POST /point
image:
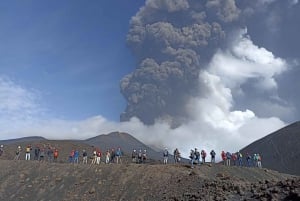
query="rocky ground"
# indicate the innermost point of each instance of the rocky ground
(33, 180)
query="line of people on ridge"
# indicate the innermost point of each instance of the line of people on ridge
(41, 153)
(237, 159)
(111, 156)
(50, 154)
(199, 157)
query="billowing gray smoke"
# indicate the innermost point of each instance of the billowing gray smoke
(172, 41)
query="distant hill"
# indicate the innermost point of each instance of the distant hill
(280, 150)
(123, 140)
(21, 140)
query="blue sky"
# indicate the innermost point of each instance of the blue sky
(70, 54)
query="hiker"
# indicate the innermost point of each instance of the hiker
(240, 158)
(36, 152)
(255, 160)
(166, 156)
(27, 152)
(50, 154)
(203, 156)
(134, 156)
(76, 156)
(18, 153)
(258, 161)
(212, 156)
(248, 158)
(112, 155)
(197, 156)
(223, 156)
(140, 156)
(234, 158)
(144, 156)
(99, 154)
(118, 155)
(1, 149)
(55, 155)
(192, 157)
(42, 154)
(84, 157)
(228, 158)
(94, 157)
(176, 156)
(107, 157)
(71, 156)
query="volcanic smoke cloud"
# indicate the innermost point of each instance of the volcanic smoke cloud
(173, 41)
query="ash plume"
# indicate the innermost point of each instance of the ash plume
(172, 41)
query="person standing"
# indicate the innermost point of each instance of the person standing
(166, 156)
(76, 156)
(1, 149)
(134, 156)
(248, 158)
(118, 155)
(99, 154)
(27, 154)
(55, 155)
(259, 161)
(228, 158)
(176, 155)
(18, 153)
(213, 156)
(107, 157)
(192, 157)
(84, 157)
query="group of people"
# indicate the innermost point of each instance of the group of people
(228, 158)
(50, 154)
(199, 157)
(40, 153)
(237, 159)
(176, 155)
(139, 156)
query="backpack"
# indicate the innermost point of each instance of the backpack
(55, 153)
(228, 155)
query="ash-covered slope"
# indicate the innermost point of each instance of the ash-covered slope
(280, 150)
(32, 180)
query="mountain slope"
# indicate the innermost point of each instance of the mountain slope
(280, 150)
(123, 140)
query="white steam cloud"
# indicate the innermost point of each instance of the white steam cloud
(214, 123)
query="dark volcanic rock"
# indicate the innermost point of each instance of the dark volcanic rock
(280, 150)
